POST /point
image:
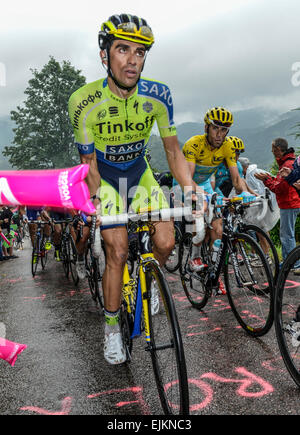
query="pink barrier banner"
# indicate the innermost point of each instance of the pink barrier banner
(9, 350)
(62, 188)
(4, 238)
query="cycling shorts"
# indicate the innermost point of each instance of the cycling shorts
(135, 189)
(33, 214)
(58, 216)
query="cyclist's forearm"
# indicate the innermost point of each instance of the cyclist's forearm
(238, 183)
(93, 178)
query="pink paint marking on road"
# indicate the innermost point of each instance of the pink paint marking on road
(192, 334)
(137, 391)
(292, 284)
(172, 278)
(66, 405)
(43, 297)
(271, 365)
(208, 394)
(249, 380)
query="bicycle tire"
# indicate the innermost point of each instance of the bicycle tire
(65, 257)
(167, 353)
(272, 250)
(44, 258)
(173, 262)
(287, 317)
(43, 254)
(94, 279)
(34, 264)
(126, 327)
(73, 259)
(194, 283)
(250, 290)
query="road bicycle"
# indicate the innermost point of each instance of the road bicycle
(161, 330)
(93, 270)
(172, 263)
(287, 316)
(68, 252)
(39, 252)
(249, 289)
(259, 235)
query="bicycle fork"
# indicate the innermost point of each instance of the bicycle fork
(235, 263)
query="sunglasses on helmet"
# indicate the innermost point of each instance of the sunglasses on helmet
(131, 29)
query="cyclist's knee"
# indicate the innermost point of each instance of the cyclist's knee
(165, 247)
(116, 255)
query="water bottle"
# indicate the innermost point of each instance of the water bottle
(215, 248)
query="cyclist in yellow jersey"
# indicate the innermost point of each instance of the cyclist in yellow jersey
(112, 120)
(204, 154)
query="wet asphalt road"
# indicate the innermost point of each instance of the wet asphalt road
(63, 371)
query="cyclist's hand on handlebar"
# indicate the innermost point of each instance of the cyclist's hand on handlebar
(77, 222)
(98, 220)
(80, 220)
(199, 202)
(247, 197)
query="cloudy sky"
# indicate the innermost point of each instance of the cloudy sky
(235, 53)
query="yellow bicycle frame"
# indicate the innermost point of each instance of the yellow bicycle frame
(130, 286)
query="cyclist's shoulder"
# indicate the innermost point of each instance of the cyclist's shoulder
(154, 89)
(195, 141)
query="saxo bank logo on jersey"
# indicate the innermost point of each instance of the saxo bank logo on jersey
(156, 90)
(124, 153)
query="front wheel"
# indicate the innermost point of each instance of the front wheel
(73, 259)
(194, 283)
(165, 346)
(34, 261)
(173, 263)
(44, 258)
(65, 257)
(266, 244)
(249, 289)
(94, 279)
(287, 317)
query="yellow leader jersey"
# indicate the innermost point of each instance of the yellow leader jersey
(207, 160)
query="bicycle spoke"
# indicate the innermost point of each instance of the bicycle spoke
(166, 349)
(249, 289)
(194, 284)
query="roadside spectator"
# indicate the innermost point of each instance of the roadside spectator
(5, 222)
(287, 197)
(292, 176)
(272, 215)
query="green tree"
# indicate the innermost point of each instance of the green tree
(43, 137)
